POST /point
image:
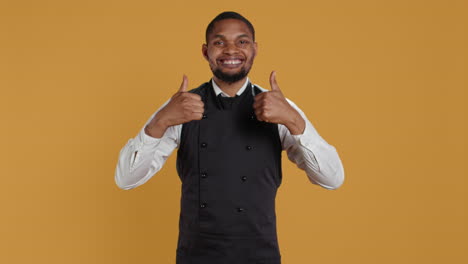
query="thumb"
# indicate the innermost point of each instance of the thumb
(273, 83)
(183, 86)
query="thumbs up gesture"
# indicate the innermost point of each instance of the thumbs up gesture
(273, 107)
(182, 108)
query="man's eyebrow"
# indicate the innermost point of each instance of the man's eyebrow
(240, 36)
(243, 36)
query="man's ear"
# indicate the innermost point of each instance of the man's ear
(205, 51)
(255, 49)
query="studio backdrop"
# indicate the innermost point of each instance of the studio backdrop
(385, 82)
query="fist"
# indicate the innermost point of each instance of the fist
(273, 107)
(182, 108)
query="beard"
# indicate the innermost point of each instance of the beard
(230, 78)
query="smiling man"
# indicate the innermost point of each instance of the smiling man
(230, 135)
(230, 63)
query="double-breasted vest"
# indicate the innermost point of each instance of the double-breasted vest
(230, 167)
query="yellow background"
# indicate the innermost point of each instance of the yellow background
(385, 82)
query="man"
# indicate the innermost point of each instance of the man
(230, 135)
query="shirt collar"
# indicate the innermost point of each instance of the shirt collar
(218, 90)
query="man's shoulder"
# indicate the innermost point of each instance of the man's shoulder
(202, 89)
(258, 89)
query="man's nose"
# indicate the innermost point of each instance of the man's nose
(230, 48)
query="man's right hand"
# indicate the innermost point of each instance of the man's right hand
(182, 108)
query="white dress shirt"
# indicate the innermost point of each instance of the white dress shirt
(143, 156)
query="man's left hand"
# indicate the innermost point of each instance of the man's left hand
(273, 107)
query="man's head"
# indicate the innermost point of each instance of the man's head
(229, 15)
(230, 47)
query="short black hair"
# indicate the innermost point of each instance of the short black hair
(228, 15)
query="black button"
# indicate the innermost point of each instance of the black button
(248, 147)
(204, 116)
(244, 178)
(204, 145)
(252, 117)
(204, 174)
(240, 209)
(203, 205)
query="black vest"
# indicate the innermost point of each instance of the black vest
(230, 167)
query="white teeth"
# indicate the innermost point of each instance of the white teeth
(231, 62)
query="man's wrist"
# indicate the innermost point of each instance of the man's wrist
(296, 124)
(156, 128)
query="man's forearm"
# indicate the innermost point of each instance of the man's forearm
(156, 128)
(296, 124)
(313, 154)
(144, 155)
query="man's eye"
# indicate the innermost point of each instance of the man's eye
(218, 43)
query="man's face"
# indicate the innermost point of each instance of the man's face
(230, 50)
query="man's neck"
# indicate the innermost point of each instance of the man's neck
(229, 88)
